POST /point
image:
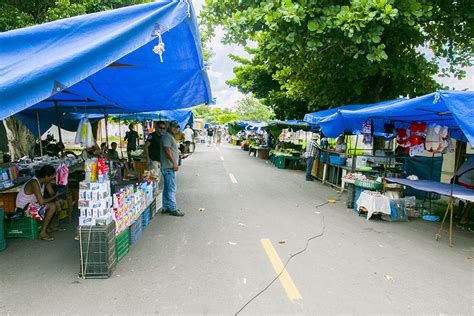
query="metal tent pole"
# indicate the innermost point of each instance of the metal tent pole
(106, 127)
(57, 121)
(39, 132)
(120, 137)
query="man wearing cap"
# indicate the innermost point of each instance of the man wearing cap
(169, 167)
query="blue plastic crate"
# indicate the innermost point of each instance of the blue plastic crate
(145, 217)
(136, 230)
(336, 160)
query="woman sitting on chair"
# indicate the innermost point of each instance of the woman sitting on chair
(31, 199)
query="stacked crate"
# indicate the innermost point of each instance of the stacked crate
(97, 249)
(122, 244)
(136, 230)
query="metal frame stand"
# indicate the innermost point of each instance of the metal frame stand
(450, 210)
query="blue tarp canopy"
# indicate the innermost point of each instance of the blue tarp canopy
(316, 117)
(454, 109)
(183, 116)
(105, 62)
(68, 121)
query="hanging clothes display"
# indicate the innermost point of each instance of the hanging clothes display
(403, 138)
(417, 138)
(62, 174)
(367, 132)
(84, 134)
(438, 139)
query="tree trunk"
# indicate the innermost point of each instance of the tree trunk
(21, 141)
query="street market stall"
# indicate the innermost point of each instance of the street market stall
(396, 134)
(120, 68)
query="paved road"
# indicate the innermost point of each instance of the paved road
(214, 261)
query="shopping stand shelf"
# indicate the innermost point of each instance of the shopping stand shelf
(98, 252)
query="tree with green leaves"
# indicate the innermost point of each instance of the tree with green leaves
(224, 118)
(250, 109)
(314, 54)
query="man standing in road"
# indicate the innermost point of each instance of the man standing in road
(132, 141)
(312, 151)
(153, 146)
(169, 167)
(188, 137)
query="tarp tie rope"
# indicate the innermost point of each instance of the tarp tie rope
(436, 97)
(160, 48)
(189, 7)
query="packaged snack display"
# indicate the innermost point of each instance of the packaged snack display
(130, 202)
(95, 203)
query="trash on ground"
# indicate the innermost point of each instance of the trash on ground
(241, 224)
(389, 277)
(332, 201)
(317, 212)
(201, 209)
(282, 242)
(232, 243)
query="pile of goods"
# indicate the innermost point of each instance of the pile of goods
(352, 177)
(130, 202)
(368, 184)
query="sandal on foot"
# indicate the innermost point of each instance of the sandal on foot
(56, 229)
(46, 238)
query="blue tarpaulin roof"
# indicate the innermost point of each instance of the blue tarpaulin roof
(68, 121)
(454, 109)
(105, 61)
(183, 116)
(315, 118)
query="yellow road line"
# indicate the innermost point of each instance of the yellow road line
(232, 178)
(285, 278)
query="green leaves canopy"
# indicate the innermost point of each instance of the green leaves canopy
(318, 53)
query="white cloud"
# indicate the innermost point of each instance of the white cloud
(221, 67)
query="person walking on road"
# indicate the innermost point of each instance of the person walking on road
(210, 135)
(312, 151)
(169, 167)
(188, 137)
(131, 137)
(153, 146)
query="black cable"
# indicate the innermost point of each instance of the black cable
(287, 262)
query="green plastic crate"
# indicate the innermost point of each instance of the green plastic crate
(280, 162)
(122, 244)
(25, 227)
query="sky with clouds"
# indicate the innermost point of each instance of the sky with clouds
(221, 70)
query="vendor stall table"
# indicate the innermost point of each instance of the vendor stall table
(284, 161)
(373, 202)
(260, 151)
(453, 191)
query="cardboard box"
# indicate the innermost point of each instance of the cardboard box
(86, 221)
